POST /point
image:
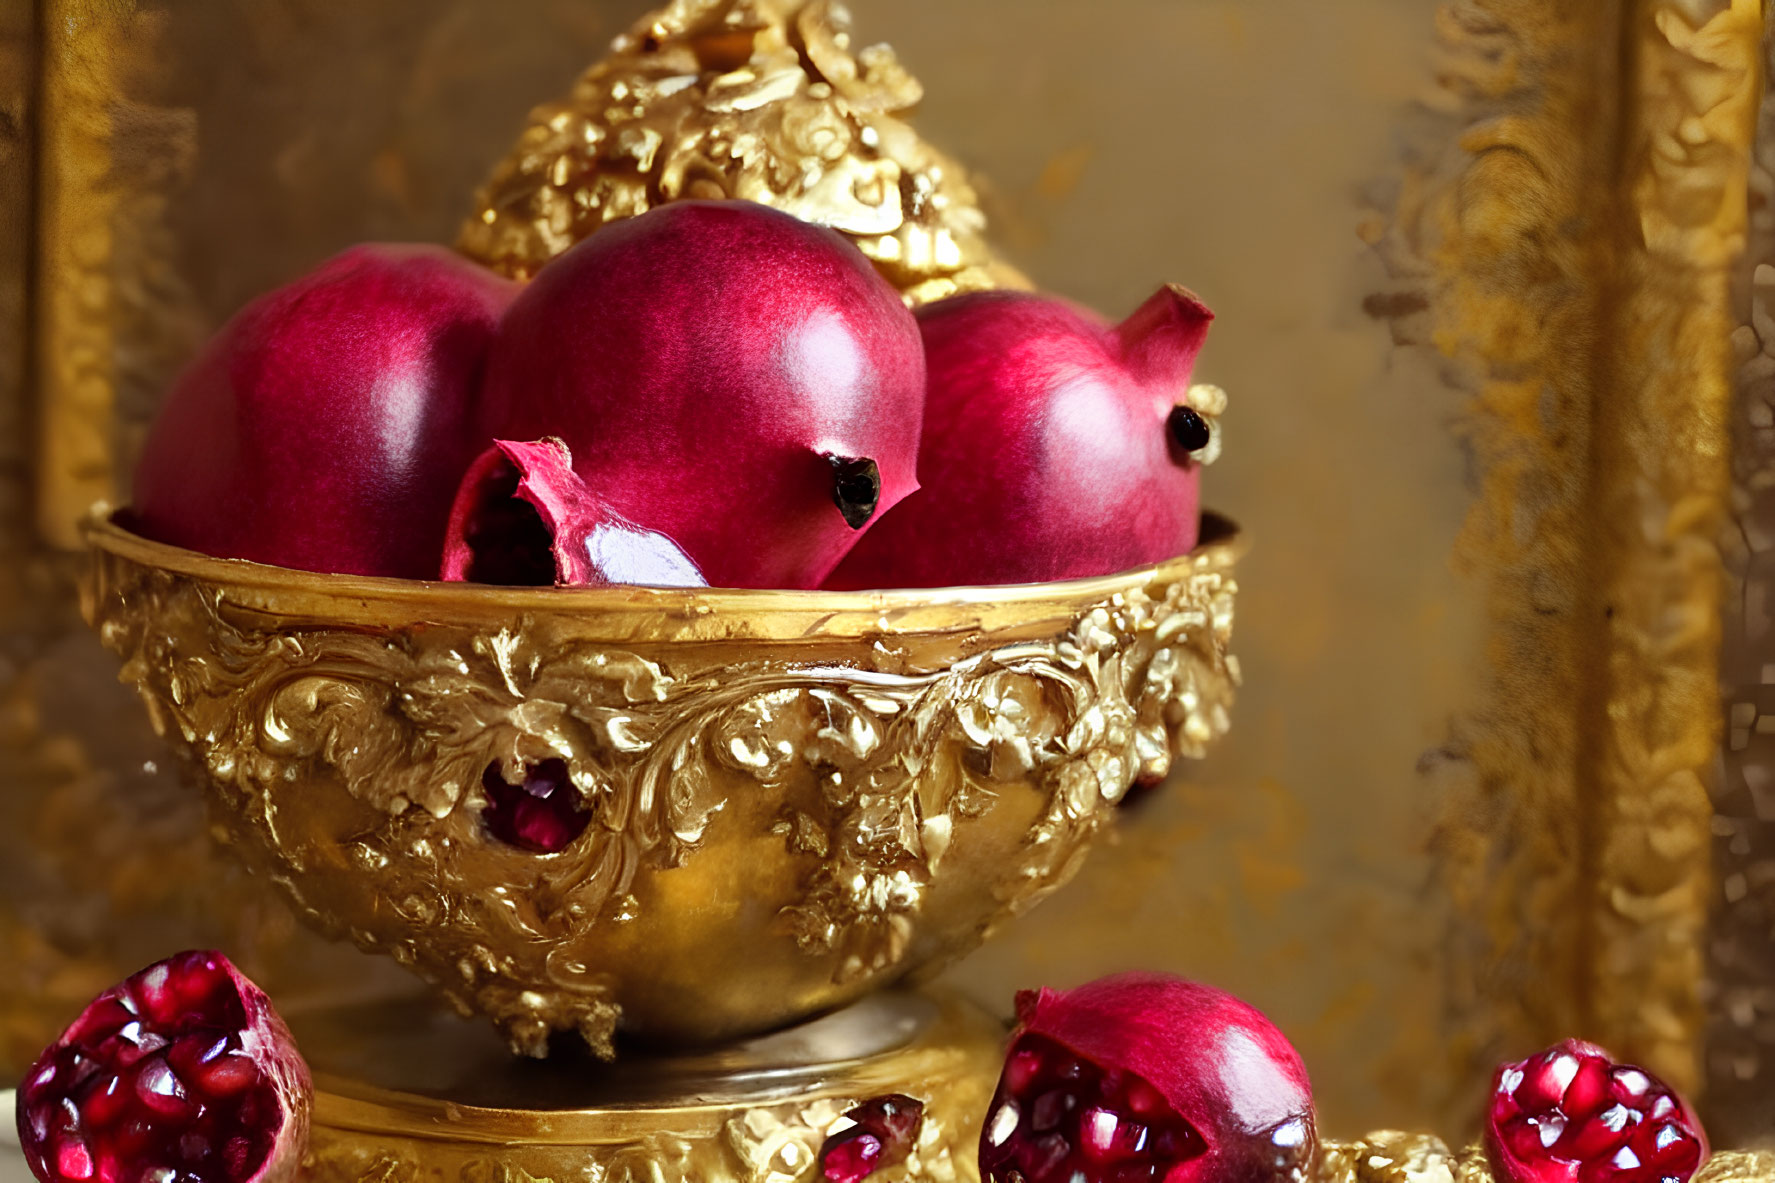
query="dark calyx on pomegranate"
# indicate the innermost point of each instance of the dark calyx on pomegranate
(523, 518)
(326, 427)
(1143, 1077)
(885, 1132)
(1055, 445)
(543, 814)
(182, 1074)
(727, 375)
(1572, 1113)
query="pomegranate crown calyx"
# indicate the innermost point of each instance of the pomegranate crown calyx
(1027, 1003)
(1160, 341)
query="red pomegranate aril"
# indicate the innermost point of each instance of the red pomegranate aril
(1142, 1078)
(848, 1159)
(1589, 1088)
(1108, 1136)
(74, 1161)
(543, 815)
(200, 1084)
(227, 1076)
(1571, 1114)
(1144, 1099)
(103, 1020)
(1062, 1136)
(1021, 1069)
(106, 1103)
(885, 1132)
(161, 1091)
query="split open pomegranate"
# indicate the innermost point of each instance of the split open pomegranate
(1140, 1078)
(182, 1074)
(1571, 1114)
(523, 518)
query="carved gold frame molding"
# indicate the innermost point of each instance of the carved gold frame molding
(1576, 256)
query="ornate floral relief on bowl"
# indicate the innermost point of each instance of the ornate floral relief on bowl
(795, 797)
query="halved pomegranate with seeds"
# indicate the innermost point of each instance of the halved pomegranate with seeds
(522, 517)
(885, 1131)
(181, 1074)
(1144, 1077)
(1571, 1114)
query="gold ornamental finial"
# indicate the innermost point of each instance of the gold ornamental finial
(765, 100)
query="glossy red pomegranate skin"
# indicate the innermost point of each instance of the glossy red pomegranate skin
(1571, 1114)
(1140, 1078)
(522, 517)
(707, 363)
(1046, 451)
(326, 427)
(183, 1073)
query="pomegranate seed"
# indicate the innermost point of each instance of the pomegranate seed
(885, 1131)
(73, 1160)
(1022, 1068)
(543, 815)
(162, 1091)
(850, 1156)
(1051, 1137)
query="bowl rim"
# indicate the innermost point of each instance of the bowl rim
(285, 591)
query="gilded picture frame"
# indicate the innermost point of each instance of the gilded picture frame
(1577, 222)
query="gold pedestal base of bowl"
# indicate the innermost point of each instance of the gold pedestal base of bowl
(406, 1093)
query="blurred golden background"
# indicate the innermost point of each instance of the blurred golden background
(1476, 267)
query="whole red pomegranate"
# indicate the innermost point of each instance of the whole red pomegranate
(181, 1074)
(1571, 1114)
(524, 518)
(727, 375)
(327, 425)
(1055, 445)
(1139, 1078)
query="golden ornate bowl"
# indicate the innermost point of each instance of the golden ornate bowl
(796, 797)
